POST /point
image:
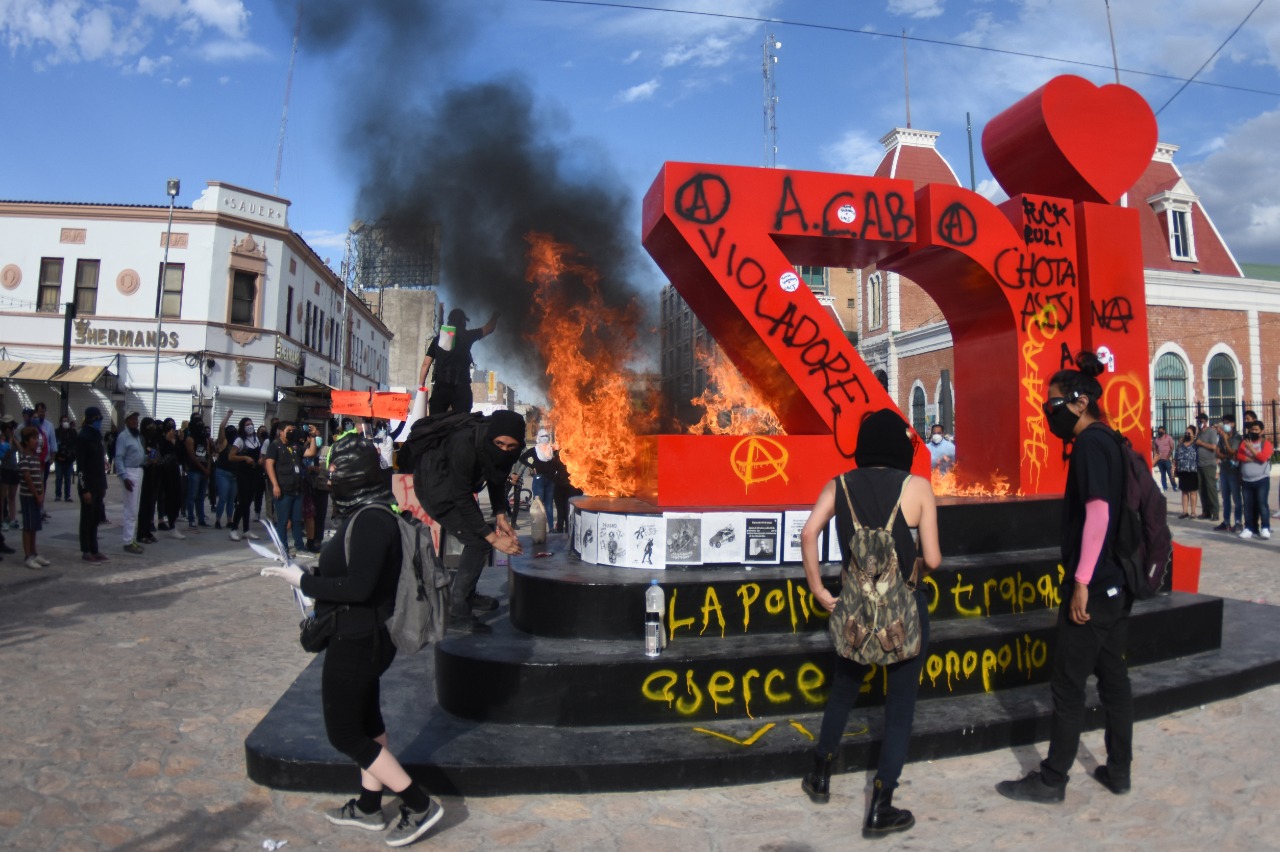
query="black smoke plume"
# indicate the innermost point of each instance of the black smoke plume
(489, 162)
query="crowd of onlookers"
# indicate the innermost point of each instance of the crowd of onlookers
(168, 472)
(1222, 471)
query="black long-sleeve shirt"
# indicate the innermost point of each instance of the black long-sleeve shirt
(467, 473)
(370, 578)
(91, 461)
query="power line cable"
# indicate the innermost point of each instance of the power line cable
(1211, 57)
(940, 42)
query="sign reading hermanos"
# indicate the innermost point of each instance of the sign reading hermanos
(122, 338)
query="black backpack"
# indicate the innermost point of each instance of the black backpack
(423, 453)
(1143, 545)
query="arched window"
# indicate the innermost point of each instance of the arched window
(883, 378)
(919, 420)
(1222, 386)
(1171, 393)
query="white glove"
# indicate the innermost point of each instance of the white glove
(291, 574)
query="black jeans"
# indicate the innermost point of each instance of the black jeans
(899, 704)
(447, 396)
(350, 690)
(89, 522)
(147, 501)
(1096, 647)
(475, 553)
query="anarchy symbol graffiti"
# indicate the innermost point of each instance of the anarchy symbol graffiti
(758, 459)
(1125, 401)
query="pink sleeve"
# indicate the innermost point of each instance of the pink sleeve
(1096, 516)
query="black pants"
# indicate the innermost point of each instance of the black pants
(320, 512)
(446, 396)
(475, 554)
(147, 501)
(899, 704)
(89, 522)
(351, 693)
(1096, 647)
(246, 489)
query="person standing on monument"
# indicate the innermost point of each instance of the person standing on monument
(451, 390)
(1207, 455)
(1093, 620)
(882, 477)
(361, 593)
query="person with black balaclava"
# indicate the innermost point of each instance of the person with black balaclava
(362, 593)
(475, 457)
(91, 482)
(451, 390)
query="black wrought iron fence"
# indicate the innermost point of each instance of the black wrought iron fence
(1174, 416)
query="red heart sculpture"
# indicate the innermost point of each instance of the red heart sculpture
(1072, 139)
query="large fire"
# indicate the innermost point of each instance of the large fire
(587, 346)
(731, 405)
(949, 485)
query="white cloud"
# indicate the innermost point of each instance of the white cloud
(228, 16)
(1239, 186)
(228, 50)
(854, 153)
(635, 54)
(147, 65)
(325, 239)
(642, 92)
(916, 8)
(991, 191)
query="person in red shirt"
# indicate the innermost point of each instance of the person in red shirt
(1162, 452)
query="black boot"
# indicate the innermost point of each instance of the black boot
(818, 782)
(882, 817)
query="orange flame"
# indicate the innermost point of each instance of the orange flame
(949, 485)
(586, 345)
(732, 406)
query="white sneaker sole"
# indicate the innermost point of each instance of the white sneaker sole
(420, 830)
(355, 823)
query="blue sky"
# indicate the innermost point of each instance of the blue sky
(105, 100)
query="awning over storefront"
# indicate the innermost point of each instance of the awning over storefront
(46, 371)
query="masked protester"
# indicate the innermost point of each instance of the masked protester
(475, 456)
(129, 460)
(451, 355)
(881, 491)
(1093, 621)
(91, 482)
(545, 462)
(362, 591)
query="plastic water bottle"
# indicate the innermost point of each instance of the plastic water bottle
(655, 638)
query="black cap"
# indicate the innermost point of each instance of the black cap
(92, 413)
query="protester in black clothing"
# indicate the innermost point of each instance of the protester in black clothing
(1093, 620)
(244, 458)
(171, 491)
(64, 459)
(91, 482)
(361, 649)
(474, 458)
(881, 487)
(544, 460)
(451, 390)
(564, 489)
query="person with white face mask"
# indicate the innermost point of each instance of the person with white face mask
(942, 451)
(544, 460)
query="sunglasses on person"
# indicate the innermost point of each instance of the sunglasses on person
(1053, 403)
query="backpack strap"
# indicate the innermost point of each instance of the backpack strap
(893, 515)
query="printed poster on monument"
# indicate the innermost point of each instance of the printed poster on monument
(585, 536)
(724, 538)
(646, 547)
(763, 531)
(611, 538)
(792, 523)
(683, 538)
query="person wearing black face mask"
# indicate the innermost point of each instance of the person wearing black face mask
(1255, 471)
(451, 390)
(1186, 461)
(1093, 621)
(91, 482)
(477, 455)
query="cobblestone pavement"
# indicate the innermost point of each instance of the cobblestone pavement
(129, 688)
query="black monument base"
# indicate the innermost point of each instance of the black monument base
(288, 749)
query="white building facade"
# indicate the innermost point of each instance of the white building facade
(250, 317)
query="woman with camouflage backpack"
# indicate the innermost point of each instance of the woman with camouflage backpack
(883, 493)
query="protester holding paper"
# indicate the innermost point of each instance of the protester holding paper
(362, 594)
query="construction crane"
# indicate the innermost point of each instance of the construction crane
(770, 102)
(288, 87)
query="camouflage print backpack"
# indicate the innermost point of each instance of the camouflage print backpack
(875, 619)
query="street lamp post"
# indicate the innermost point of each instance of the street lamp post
(172, 187)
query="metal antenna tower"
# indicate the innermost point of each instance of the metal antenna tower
(770, 59)
(288, 87)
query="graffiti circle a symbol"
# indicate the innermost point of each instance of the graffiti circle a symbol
(758, 459)
(703, 199)
(1125, 402)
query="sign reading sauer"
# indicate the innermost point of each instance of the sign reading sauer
(122, 338)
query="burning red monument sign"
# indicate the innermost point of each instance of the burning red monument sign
(1023, 286)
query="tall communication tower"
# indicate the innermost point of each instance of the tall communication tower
(288, 87)
(770, 59)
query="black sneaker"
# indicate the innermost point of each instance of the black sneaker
(1032, 788)
(412, 826)
(469, 624)
(1117, 783)
(483, 603)
(1222, 527)
(350, 814)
